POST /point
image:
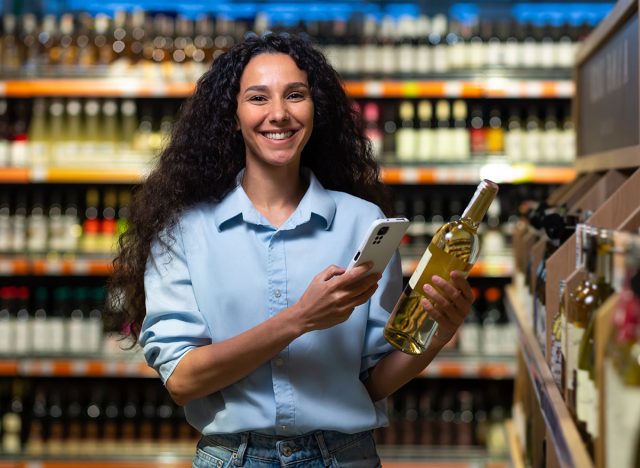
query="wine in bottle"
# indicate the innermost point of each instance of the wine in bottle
(454, 247)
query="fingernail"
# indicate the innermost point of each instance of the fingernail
(428, 289)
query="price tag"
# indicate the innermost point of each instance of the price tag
(533, 89)
(374, 89)
(453, 89)
(410, 175)
(564, 89)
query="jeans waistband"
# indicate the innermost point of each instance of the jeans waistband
(268, 447)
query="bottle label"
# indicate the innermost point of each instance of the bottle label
(556, 360)
(435, 261)
(574, 336)
(584, 397)
(22, 336)
(621, 418)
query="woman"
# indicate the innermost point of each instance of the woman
(228, 276)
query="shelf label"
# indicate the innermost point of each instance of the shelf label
(453, 88)
(374, 89)
(39, 174)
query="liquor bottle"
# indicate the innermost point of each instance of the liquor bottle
(439, 27)
(586, 303)
(567, 145)
(495, 133)
(587, 395)
(75, 324)
(72, 135)
(91, 226)
(124, 200)
(471, 330)
(514, 138)
(7, 299)
(424, 55)
(443, 133)
(372, 130)
(57, 320)
(5, 223)
(56, 228)
(532, 136)
(56, 129)
(550, 137)
(71, 223)
(460, 149)
(574, 333)
(425, 137)
(556, 359)
(12, 421)
(621, 369)
(4, 133)
(37, 228)
(39, 135)
(19, 224)
(478, 132)
(11, 60)
(19, 146)
(56, 424)
(22, 322)
(491, 326)
(454, 247)
(406, 133)
(108, 224)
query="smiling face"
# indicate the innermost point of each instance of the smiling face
(275, 110)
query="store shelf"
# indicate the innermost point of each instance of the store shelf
(516, 451)
(72, 367)
(498, 267)
(22, 266)
(460, 173)
(495, 87)
(563, 433)
(100, 175)
(455, 365)
(472, 173)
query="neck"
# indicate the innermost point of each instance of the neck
(274, 191)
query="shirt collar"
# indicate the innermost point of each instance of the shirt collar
(316, 200)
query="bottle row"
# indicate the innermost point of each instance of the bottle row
(52, 321)
(460, 413)
(90, 418)
(386, 44)
(61, 225)
(127, 133)
(447, 131)
(101, 417)
(602, 394)
(68, 321)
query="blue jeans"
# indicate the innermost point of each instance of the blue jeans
(314, 450)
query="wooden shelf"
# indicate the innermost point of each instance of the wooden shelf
(565, 439)
(137, 87)
(623, 158)
(515, 446)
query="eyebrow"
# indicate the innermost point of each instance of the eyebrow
(262, 88)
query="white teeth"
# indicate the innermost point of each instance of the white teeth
(279, 135)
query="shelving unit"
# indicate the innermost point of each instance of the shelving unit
(564, 436)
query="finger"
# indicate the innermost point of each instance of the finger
(438, 315)
(355, 274)
(331, 271)
(455, 313)
(461, 282)
(454, 295)
(361, 298)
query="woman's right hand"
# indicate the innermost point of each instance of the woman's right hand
(333, 294)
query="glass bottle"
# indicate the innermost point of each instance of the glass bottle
(600, 268)
(454, 247)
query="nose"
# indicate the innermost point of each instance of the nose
(279, 111)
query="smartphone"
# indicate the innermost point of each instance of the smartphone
(380, 243)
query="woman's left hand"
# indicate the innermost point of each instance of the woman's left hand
(450, 305)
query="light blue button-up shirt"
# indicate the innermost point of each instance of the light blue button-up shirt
(228, 270)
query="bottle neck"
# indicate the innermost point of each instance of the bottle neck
(480, 202)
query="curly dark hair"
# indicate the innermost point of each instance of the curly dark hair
(205, 153)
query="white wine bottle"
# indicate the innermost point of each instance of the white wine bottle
(455, 246)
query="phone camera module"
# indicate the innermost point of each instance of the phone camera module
(383, 230)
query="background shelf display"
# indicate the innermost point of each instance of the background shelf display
(132, 87)
(470, 173)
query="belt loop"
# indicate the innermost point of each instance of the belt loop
(326, 456)
(244, 442)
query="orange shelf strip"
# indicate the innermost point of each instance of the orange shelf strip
(14, 175)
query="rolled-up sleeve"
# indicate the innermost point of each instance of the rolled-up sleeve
(173, 324)
(380, 307)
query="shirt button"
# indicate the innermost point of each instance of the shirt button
(277, 293)
(279, 361)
